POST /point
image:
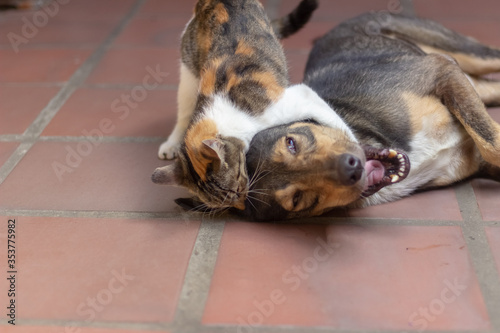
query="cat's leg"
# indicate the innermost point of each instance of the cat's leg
(186, 102)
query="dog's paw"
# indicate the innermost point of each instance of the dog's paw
(168, 150)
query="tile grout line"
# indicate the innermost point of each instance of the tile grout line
(479, 251)
(198, 278)
(18, 138)
(14, 159)
(175, 215)
(88, 214)
(231, 328)
(73, 325)
(32, 133)
(104, 139)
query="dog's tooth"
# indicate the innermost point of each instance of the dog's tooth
(400, 157)
(401, 174)
(394, 178)
(392, 153)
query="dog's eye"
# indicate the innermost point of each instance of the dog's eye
(290, 144)
(296, 199)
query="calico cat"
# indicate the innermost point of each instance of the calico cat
(233, 84)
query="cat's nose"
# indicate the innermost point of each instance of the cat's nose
(239, 205)
(350, 169)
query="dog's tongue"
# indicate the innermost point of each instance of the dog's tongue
(384, 167)
(375, 172)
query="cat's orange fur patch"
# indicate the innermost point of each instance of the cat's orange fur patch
(244, 49)
(209, 77)
(203, 130)
(233, 80)
(220, 13)
(268, 81)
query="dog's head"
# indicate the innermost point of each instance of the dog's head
(305, 169)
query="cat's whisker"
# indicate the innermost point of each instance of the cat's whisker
(259, 190)
(259, 177)
(223, 210)
(198, 208)
(262, 201)
(225, 198)
(251, 203)
(257, 169)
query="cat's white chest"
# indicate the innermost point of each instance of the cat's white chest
(297, 103)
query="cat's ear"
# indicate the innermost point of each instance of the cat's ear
(167, 175)
(214, 149)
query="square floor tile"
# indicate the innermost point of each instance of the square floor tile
(101, 269)
(168, 9)
(439, 204)
(6, 149)
(133, 112)
(488, 196)
(20, 105)
(103, 10)
(493, 234)
(153, 31)
(56, 33)
(40, 65)
(82, 176)
(135, 65)
(345, 277)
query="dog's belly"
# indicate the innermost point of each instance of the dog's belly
(441, 153)
(440, 162)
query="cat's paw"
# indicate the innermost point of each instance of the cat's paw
(169, 150)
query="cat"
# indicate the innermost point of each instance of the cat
(233, 84)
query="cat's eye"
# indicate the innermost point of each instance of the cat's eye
(290, 144)
(296, 199)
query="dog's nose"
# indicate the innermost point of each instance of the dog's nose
(350, 169)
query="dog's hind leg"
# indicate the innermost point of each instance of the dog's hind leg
(473, 57)
(476, 64)
(488, 90)
(456, 92)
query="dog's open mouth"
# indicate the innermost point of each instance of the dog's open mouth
(384, 167)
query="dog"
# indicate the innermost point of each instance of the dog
(413, 95)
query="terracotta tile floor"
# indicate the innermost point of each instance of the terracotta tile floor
(85, 101)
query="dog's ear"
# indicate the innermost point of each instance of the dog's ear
(188, 203)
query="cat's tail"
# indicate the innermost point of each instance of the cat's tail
(293, 22)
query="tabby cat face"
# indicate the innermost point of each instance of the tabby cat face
(223, 180)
